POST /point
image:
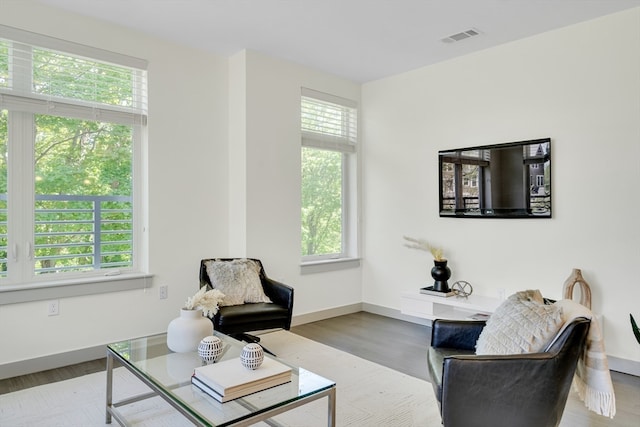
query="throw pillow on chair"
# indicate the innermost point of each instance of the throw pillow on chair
(238, 280)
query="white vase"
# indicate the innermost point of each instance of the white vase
(185, 332)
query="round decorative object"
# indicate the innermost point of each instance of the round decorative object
(252, 356)
(440, 273)
(185, 332)
(210, 348)
(462, 288)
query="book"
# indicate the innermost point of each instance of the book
(479, 316)
(228, 380)
(429, 291)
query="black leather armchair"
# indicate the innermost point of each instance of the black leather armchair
(524, 390)
(237, 320)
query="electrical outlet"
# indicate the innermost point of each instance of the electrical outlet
(501, 293)
(53, 308)
(163, 292)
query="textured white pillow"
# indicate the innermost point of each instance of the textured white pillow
(238, 280)
(521, 324)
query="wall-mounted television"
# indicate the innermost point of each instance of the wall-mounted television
(509, 180)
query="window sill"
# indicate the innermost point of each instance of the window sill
(329, 265)
(14, 294)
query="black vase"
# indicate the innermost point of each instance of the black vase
(440, 273)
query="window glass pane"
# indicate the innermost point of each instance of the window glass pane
(321, 202)
(470, 186)
(448, 186)
(4, 244)
(83, 189)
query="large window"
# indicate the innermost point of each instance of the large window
(329, 142)
(72, 121)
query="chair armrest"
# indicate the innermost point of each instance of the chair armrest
(460, 334)
(279, 293)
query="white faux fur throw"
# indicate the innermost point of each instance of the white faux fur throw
(592, 381)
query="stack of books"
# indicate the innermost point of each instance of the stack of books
(228, 380)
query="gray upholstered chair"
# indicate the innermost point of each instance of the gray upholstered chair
(523, 390)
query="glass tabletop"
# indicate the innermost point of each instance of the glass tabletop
(171, 372)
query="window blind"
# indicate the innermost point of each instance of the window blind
(328, 122)
(43, 75)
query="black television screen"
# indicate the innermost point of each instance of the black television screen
(510, 180)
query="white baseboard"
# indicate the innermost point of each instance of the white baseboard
(24, 367)
(625, 366)
(326, 314)
(44, 363)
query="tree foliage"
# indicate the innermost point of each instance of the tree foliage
(83, 168)
(321, 201)
(82, 158)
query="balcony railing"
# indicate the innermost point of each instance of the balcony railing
(539, 203)
(77, 233)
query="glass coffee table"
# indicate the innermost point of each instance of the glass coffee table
(168, 375)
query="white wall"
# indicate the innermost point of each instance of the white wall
(271, 184)
(580, 86)
(224, 175)
(187, 191)
(224, 180)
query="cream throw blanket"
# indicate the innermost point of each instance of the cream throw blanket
(593, 379)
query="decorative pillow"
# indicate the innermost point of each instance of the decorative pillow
(521, 324)
(238, 280)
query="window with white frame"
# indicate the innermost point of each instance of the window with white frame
(72, 123)
(329, 168)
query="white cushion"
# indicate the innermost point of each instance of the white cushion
(238, 280)
(521, 324)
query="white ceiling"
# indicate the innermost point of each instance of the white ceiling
(361, 40)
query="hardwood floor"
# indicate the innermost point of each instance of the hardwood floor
(389, 342)
(9, 385)
(394, 343)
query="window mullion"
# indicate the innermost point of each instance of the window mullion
(21, 196)
(345, 205)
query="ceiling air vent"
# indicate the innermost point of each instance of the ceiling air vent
(461, 36)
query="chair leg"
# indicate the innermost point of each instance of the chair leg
(243, 336)
(251, 338)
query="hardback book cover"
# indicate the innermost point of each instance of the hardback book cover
(240, 393)
(230, 380)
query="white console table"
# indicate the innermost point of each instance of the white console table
(430, 307)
